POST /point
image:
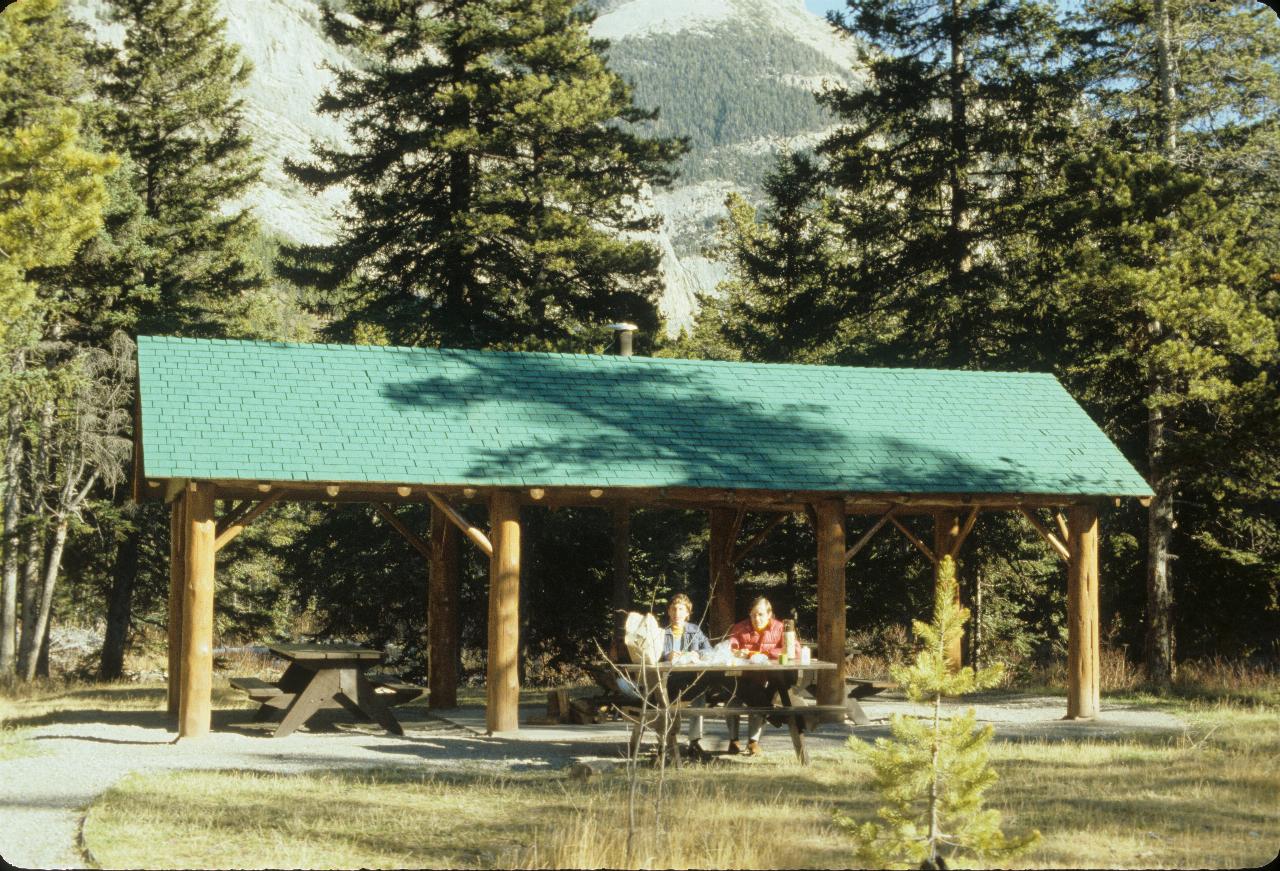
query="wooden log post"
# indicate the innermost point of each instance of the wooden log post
(621, 597)
(723, 575)
(830, 526)
(177, 586)
(442, 613)
(196, 701)
(946, 534)
(502, 680)
(1083, 696)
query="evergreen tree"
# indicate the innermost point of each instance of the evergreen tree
(1181, 335)
(939, 162)
(1199, 84)
(933, 773)
(52, 192)
(52, 196)
(173, 107)
(492, 183)
(784, 300)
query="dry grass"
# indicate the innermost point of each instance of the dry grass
(1208, 800)
(1209, 680)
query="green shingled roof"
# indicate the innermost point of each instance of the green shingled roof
(308, 412)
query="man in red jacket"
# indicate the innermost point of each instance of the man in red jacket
(761, 632)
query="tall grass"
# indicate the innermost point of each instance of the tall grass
(1204, 800)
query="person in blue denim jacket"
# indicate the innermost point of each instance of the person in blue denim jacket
(682, 636)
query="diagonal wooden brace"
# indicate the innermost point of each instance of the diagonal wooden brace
(468, 529)
(911, 537)
(236, 525)
(964, 531)
(385, 512)
(756, 539)
(1058, 547)
(867, 536)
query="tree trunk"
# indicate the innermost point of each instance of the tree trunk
(37, 476)
(1160, 520)
(11, 543)
(28, 643)
(956, 334)
(42, 659)
(1168, 88)
(119, 607)
(975, 653)
(52, 566)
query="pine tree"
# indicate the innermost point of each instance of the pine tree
(1198, 84)
(493, 180)
(940, 161)
(784, 300)
(933, 773)
(1180, 335)
(52, 196)
(52, 192)
(173, 106)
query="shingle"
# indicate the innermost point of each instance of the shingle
(220, 408)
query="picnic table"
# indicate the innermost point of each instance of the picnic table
(327, 676)
(794, 706)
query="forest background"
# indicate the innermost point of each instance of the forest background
(1019, 186)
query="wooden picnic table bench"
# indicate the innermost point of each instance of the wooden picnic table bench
(327, 676)
(800, 714)
(862, 688)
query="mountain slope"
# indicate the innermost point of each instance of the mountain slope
(735, 76)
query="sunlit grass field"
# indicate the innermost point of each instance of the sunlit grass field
(1207, 799)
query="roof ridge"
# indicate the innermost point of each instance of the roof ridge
(634, 360)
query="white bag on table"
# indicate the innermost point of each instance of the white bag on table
(643, 637)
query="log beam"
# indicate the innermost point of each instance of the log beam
(177, 587)
(469, 529)
(723, 579)
(947, 538)
(173, 488)
(621, 593)
(1052, 540)
(964, 531)
(502, 681)
(911, 537)
(442, 614)
(1083, 696)
(755, 540)
(869, 534)
(384, 511)
(237, 524)
(195, 705)
(830, 528)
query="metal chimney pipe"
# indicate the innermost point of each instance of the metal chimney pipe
(624, 332)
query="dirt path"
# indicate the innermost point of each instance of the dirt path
(79, 756)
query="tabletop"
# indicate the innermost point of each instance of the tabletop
(811, 665)
(320, 652)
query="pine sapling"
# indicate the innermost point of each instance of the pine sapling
(933, 772)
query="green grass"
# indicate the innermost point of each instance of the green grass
(1207, 799)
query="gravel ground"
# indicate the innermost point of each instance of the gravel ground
(43, 797)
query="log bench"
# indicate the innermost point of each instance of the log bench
(400, 691)
(800, 718)
(269, 697)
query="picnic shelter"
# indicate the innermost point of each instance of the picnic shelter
(249, 424)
